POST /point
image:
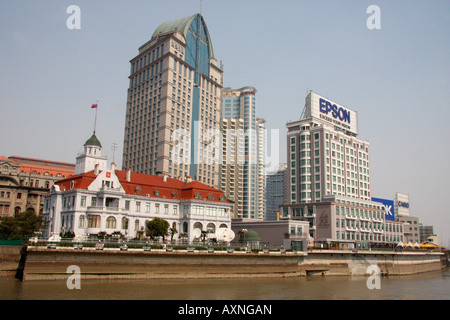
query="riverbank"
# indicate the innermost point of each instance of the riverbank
(41, 263)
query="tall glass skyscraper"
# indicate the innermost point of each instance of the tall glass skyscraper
(174, 104)
(242, 168)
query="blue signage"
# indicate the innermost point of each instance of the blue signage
(337, 113)
(388, 206)
(403, 204)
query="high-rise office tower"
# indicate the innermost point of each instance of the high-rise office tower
(242, 170)
(324, 155)
(174, 104)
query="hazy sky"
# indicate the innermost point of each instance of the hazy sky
(397, 78)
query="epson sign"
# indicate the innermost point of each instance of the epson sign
(337, 112)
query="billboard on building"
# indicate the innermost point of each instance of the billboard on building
(332, 112)
(388, 206)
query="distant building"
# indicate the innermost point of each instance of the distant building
(25, 181)
(339, 221)
(411, 229)
(242, 176)
(425, 232)
(275, 191)
(325, 155)
(115, 201)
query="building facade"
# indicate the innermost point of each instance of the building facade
(275, 191)
(339, 221)
(25, 181)
(114, 201)
(286, 233)
(242, 176)
(325, 157)
(174, 104)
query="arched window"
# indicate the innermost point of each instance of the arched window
(111, 223)
(211, 228)
(124, 223)
(210, 197)
(198, 195)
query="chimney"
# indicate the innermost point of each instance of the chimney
(188, 179)
(165, 177)
(113, 166)
(129, 174)
(96, 169)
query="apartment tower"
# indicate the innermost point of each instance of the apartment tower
(242, 168)
(174, 104)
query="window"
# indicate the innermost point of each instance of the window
(82, 222)
(111, 223)
(138, 206)
(83, 201)
(124, 223)
(166, 209)
(94, 221)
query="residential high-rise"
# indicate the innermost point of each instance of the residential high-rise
(325, 157)
(242, 170)
(174, 104)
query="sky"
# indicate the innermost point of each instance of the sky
(396, 77)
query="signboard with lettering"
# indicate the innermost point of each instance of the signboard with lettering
(325, 109)
(388, 206)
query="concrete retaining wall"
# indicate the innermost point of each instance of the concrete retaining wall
(357, 263)
(114, 264)
(45, 264)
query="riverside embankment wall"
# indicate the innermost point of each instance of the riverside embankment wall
(44, 264)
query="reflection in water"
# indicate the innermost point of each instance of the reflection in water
(432, 285)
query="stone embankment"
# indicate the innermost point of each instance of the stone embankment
(42, 263)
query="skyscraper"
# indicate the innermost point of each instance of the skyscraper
(325, 157)
(242, 169)
(174, 104)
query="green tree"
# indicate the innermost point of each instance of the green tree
(21, 226)
(172, 232)
(157, 228)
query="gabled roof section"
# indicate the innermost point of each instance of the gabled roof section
(152, 186)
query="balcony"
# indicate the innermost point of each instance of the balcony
(104, 209)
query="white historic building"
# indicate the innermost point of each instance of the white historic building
(112, 201)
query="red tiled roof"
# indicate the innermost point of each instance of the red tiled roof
(41, 166)
(151, 186)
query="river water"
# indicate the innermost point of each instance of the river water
(425, 286)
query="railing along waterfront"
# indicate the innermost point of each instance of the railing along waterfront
(167, 246)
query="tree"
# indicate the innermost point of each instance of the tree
(157, 228)
(172, 232)
(22, 225)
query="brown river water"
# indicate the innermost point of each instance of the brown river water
(425, 286)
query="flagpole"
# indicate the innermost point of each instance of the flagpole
(95, 121)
